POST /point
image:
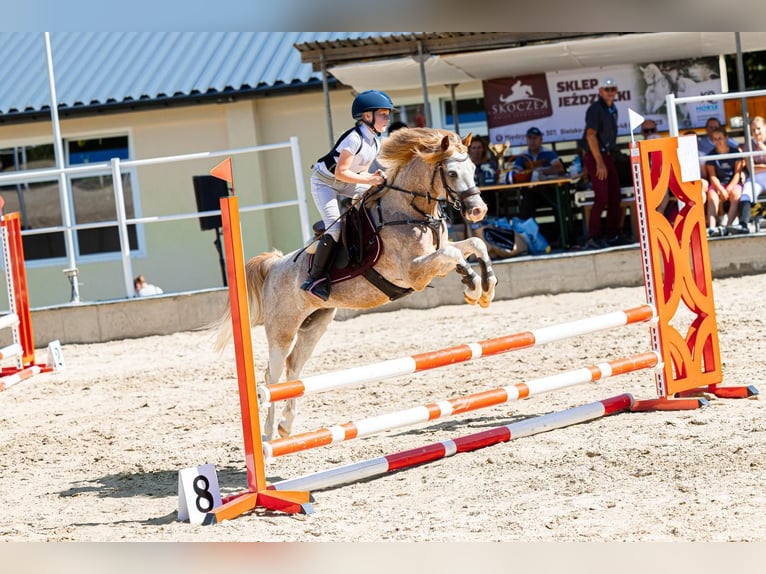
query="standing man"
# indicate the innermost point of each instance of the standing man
(600, 144)
(544, 163)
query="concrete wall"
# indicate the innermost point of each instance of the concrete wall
(587, 271)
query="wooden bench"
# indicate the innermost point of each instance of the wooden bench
(584, 200)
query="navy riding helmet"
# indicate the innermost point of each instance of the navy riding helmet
(370, 100)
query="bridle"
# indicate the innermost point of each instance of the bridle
(452, 196)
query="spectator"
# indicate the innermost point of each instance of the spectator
(599, 141)
(753, 187)
(649, 130)
(724, 176)
(486, 167)
(144, 289)
(396, 126)
(705, 144)
(543, 162)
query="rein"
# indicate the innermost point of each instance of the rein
(434, 223)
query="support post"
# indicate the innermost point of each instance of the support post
(257, 495)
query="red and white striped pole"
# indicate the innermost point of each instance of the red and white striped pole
(379, 466)
(457, 405)
(449, 356)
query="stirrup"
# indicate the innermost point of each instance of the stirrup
(317, 287)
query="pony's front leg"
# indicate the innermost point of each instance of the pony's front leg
(440, 263)
(475, 246)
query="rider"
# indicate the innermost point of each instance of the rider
(344, 171)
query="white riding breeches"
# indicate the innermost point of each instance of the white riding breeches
(326, 199)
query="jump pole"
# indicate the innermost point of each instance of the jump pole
(450, 356)
(379, 466)
(455, 406)
(257, 494)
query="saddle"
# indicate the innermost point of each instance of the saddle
(359, 249)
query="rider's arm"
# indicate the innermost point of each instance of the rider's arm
(343, 171)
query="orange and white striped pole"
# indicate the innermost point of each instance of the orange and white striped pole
(457, 405)
(450, 356)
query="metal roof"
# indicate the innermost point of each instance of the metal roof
(94, 70)
(395, 44)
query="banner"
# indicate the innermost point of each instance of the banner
(556, 102)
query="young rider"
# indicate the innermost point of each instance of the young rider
(343, 171)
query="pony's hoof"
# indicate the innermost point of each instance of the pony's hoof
(283, 432)
(469, 300)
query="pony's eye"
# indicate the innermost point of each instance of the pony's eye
(452, 173)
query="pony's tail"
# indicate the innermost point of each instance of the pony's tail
(256, 270)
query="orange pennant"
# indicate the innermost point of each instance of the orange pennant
(223, 171)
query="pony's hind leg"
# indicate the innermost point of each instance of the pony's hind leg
(312, 329)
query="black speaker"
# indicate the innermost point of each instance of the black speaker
(208, 191)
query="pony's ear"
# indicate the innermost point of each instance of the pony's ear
(467, 139)
(445, 143)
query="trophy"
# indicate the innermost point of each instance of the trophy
(498, 150)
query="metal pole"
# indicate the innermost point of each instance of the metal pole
(421, 58)
(326, 90)
(122, 227)
(745, 115)
(58, 149)
(455, 119)
(670, 105)
(303, 206)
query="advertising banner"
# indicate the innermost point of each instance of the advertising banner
(556, 102)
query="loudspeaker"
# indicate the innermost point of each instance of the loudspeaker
(208, 191)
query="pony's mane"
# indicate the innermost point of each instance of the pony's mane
(406, 144)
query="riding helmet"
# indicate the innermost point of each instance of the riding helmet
(370, 100)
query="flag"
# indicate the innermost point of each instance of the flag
(635, 119)
(223, 171)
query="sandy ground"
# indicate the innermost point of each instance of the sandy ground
(92, 453)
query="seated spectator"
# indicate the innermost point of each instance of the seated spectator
(724, 176)
(396, 126)
(486, 167)
(543, 162)
(144, 289)
(753, 186)
(705, 144)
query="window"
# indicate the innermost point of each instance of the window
(91, 197)
(469, 111)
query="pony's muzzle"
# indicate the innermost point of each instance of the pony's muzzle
(474, 208)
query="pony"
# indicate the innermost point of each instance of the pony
(426, 168)
(657, 87)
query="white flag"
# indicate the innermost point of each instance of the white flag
(635, 119)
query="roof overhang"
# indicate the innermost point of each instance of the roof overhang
(463, 64)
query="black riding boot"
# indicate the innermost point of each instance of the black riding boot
(318, 282)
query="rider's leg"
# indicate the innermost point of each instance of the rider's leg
(326, 200)
(318, 282)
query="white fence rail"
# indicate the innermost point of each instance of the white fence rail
(670, 103)
(116, 166)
